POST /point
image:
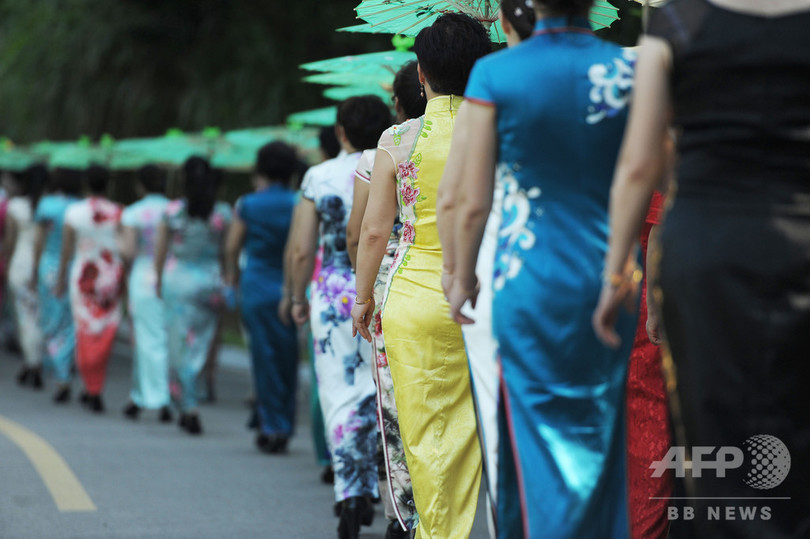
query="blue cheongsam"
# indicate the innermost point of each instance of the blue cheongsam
(55, 317)
(267, 215)
(560, 99)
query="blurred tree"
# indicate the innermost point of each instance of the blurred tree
(135, 67)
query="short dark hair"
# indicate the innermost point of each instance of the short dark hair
(364, 118)
(97, 179)
(329, 142)
(520, 14)
(569, 8)
(152, 178)
(201, 183)
(448, 49)
(406, 90)
(277, 161)
(67, 181)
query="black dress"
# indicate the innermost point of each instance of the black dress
(735, 267)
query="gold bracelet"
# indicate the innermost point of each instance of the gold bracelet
(296, 301)
(615, 280)
(357, 302)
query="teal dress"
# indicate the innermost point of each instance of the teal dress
(561, 102)
(267, 216)
(150, 365)
(55, 316)
(193, 290)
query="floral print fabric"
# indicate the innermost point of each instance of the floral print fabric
(393, 466)
(96, 283)
(55, 316)
(342, 362)
(192, 290)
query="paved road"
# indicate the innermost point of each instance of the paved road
(151, 480)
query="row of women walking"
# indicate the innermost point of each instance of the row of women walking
(69, 261)
(536, 142)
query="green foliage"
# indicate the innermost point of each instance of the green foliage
(136, 67)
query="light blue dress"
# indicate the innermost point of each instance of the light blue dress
(55, 316)
(267, 215)
(193, 290)
(150, 365)
(561, 100)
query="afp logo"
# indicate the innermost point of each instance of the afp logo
(768, 461)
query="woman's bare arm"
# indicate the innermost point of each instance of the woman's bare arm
(641, 164)
(361, 193)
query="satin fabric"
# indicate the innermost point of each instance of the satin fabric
(267, 215)
(425, 347)
(735, 259)
(55, 316)
(561, 465)
(395, 479)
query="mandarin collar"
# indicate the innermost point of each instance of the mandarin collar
(444, 103)
(562, 23)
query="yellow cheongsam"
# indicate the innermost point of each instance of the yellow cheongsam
(425, 347)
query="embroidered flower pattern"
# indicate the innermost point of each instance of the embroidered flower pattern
(407, 232)
(514, 235)
(397, 131)
(407, 170)
(409, 194)
(612, 86)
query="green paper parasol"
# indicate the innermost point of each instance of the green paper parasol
(375, 63)
(320, 117)
(408, 17)
(339, 93)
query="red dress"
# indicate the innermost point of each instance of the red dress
(648, 432)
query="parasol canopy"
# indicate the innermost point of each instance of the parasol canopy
(408, 17)
(320, 117)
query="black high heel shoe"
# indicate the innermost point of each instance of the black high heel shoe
(190, 423)
(272, 443)
(36, 378)
(132, 411)
(23, 376)
(95, 404)
(62, 395)
(355, 511)
(395, 531)
(165, 415)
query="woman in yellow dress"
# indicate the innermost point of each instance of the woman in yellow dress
(425, 347)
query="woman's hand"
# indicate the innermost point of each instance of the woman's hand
(300, 312)
(458, 296)
(284, 308)
(362, 315)
(447, 282)
(612, 298)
